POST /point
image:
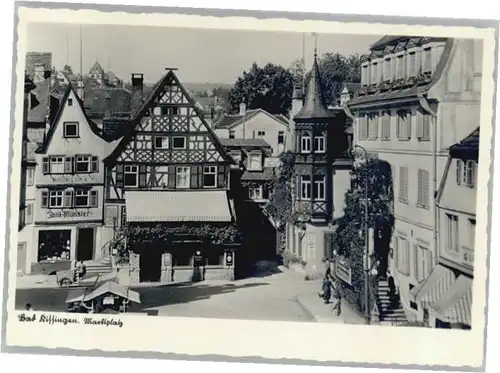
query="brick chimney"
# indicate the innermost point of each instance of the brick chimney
(137, 90)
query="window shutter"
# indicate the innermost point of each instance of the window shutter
(407, 256)
(194, 178)
(405, 184)
(142, 175)
(221, 177)
(396, 253)
(94, 202)
(420, 124)
(69, 165)
(200, 176)
(29, 213)
(45, 165)
(45, 199)
(401, 182)
(68, 198)
(119, 176)
(171, 177)
(425, 188)
(459, 171)
(417, 268)
(94, 164)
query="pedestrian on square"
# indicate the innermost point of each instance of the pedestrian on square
(337, 296)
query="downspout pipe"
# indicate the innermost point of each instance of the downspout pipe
(424, 103)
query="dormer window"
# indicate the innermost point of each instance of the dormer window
(305, 142)
(255, 161)
(412, 68)
(319, 144)
(70, 102)
(231, 134)
(365, 74)
(388, 69)
(374, 73)
(426, 60)
(401, 67)
(70, 129)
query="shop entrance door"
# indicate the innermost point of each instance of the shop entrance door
(150, 266)
(85, 244)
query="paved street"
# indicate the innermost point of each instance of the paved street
(272, 297)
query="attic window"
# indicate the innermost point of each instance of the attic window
(71, 129)
(70, 102)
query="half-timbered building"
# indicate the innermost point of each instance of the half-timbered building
(168, 182)
(69, 183)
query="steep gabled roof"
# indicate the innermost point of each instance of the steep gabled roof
(50, 133)
(467, 148)
(232, 120)
(96, 66)
(314, 104)
(96, 100)
(148, 103)
(39, 109)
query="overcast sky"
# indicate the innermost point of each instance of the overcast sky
(201, 55)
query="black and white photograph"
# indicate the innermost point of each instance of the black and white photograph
(228, 174)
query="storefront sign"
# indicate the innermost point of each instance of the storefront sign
(76, 178)
(198, 259)
(229, 259)
(343, 271)
(68, 214)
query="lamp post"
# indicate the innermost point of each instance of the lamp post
(366, 264)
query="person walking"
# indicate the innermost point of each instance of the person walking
(337, 296)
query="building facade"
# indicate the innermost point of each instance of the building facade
(68, 190)
(319, 143)
(418, 96)
(456, 204)
(170, 175)
(254, 124)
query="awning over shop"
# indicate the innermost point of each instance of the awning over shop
(436, 285)
(455, 305)
(178, 206)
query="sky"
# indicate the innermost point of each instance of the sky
(200, 55)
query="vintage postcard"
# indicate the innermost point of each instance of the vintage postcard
(250, 186)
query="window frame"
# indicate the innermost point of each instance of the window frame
(30, 176)
(319, 188)
(56, 194)
(305, 142)
(65, 130)
(305, 187)
(452, 234)
(212, 171)
(178, 173)
(258, 160)
(320, 140)
(163, 142)
(260, 190)
(52, 161)
(130, 172)
(232, 134)
(174, 147)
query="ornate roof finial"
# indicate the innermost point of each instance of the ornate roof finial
(315, 45)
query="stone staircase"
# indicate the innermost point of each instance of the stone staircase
(101, 268)
(389, 315)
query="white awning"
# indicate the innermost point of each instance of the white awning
(178, 206)
(435, 286)
(455, 305)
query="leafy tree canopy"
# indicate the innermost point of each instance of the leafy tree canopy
(269, 88)
(335, 70)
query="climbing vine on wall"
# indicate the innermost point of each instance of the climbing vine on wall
(160, 233)
(349, 237)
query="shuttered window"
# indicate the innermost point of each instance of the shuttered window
(423, 126)
(363, 127)
(386, 125)
(423, 189)
(403, 183)
(373, 126)
(404, 125)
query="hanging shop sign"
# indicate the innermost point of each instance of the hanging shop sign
(198, 259)
(229, 259)
(343, 270)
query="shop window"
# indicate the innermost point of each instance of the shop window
(54, 245)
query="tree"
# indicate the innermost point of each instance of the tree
(279, 205)
(269, 88)
(335, 70)
(349, 237)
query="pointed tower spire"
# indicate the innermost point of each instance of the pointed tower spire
(314, 106)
